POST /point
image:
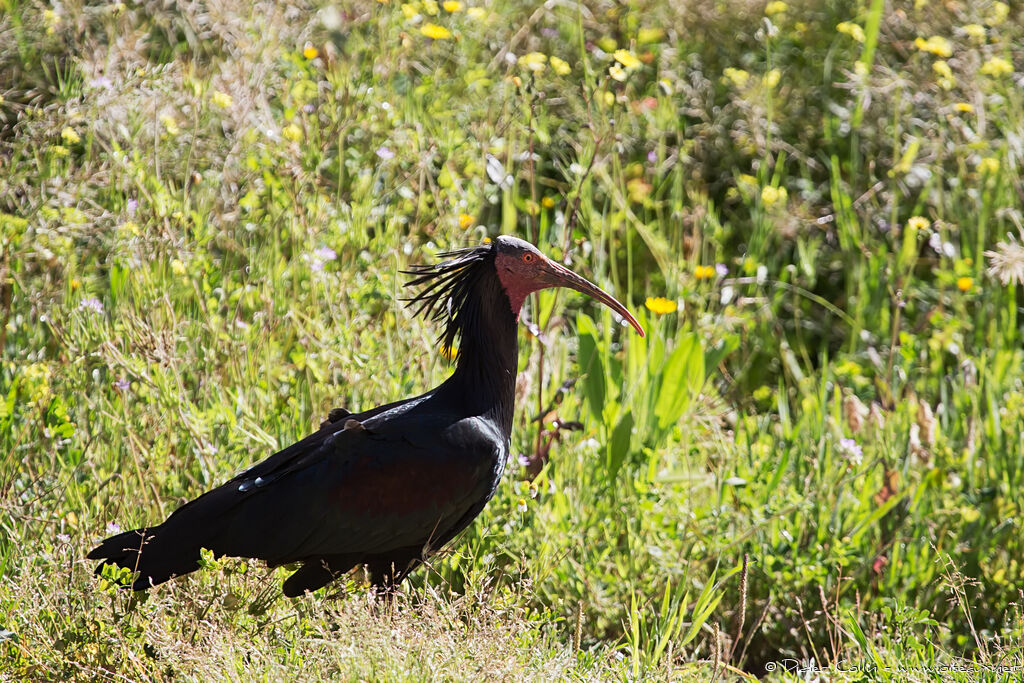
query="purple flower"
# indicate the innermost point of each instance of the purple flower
(721, 269)
(63, 538)
(384, 153)
(524, 460)
(131, 207)
(308, 108)
(325, 254)
(122, 384)
(113, 528)
(850, 448)
(652, 157)
(91, 304)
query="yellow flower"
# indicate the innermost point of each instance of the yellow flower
(936, 45)
(292, 132)
(534, 61)
(222, 100)
(465, 220)
(547, 202)
(627, 59)
(776, 7)
(945, 74)
(988, 166)
(853, 30)
(771, 79)
(452, 6)
(965, 107)
(660, 305)
(70, 136)
(430, 7)
(310, 52)
(435, 32)
(409, 10)
(964, 284)
(997, 66)
(52, 20)
(177, 267)
(617, 72)
(560, 66)
(771, 195)
(997, 14)
(918, 223)
(476, 13)
(704, 272)
(975, 32)
(170, 125)
(649, 35)
(130, 227)
(60, 151)
(737, 77)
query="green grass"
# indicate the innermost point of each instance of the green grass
(816, 457)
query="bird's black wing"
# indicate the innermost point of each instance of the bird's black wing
(401, 478)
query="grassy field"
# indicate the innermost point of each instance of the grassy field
(811, 466)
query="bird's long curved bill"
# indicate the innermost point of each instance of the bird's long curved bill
(563, 277)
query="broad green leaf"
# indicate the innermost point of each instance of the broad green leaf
(682, 379)
(618, 447)
(594, 389)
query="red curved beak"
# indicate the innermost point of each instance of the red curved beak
(558, 275)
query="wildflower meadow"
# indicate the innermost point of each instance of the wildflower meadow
(809, 469)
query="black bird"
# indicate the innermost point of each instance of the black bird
(388, 486)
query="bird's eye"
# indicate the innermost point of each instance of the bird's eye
(527, 257)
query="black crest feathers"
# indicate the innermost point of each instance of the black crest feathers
(447, 286)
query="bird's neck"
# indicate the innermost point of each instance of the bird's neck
(485, 374)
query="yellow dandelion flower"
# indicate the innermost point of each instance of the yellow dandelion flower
(60, 151)
(737, 77)
(310, 52)
(291, 132)
(770, 196)
(704, 272)
(618, 73)
(70, 136)
(465, 220)
(772, 78)
(997, 66)
(547, 202)
(936, 45)
(855, 31)
(975, 32)
(964, 284)
(965, 107)
(988, 166)
(918, 223)
(222, 100)
(997, 14)
(452, 6)
(170, 125)
(559, 66)
(776, 7)
(660, 305)
(945, 74)
(476, 13)
(435, 32)
(627, 59)
(534, 61)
